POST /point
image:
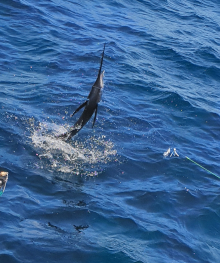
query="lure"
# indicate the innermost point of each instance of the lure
(174, 153)
(165, 154)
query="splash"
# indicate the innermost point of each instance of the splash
(87, 157)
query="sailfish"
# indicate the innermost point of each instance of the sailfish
(90, 105)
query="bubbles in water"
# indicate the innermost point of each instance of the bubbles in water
(80, 157)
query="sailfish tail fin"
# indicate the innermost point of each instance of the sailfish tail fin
(68, 135)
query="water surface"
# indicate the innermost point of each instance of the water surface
(109, 195)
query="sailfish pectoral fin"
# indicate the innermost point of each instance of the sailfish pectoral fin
(79, 108)
(96, 109)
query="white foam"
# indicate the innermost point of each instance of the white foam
(77, 157)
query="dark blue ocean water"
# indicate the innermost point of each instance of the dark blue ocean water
(109, 195)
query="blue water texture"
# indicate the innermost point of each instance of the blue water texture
(109, 195)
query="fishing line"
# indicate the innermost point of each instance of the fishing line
(202, 167)
(167, 153)
(145, 120)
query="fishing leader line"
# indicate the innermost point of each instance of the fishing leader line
(145, 120)
(167, 153)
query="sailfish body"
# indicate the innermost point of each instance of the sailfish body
(90, 105)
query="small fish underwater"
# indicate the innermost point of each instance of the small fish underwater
(90, 105)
